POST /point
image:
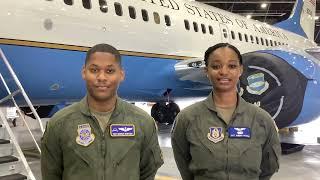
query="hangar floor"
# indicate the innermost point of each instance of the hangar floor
(297, 166)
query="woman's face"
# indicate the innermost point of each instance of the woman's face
(224, 69)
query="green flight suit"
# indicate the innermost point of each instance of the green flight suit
(199, 158)
(70, 154)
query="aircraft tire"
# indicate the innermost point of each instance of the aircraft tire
(158, 112)
(173, 110)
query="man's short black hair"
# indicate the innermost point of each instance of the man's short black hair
(106, 48)
(217, 46)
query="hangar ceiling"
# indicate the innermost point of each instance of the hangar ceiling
(275, 11)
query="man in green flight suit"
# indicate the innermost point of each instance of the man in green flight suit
(101, 137)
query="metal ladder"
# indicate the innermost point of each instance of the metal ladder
(13, 163)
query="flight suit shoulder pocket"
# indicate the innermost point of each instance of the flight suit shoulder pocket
(271, 160)
(158, 156)
(275, 156)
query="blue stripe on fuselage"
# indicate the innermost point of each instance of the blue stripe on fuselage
(50, 76)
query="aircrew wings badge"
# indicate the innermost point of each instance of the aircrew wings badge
(216, 134)
(85, 136)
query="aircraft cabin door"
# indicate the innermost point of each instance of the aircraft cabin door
(224, 33)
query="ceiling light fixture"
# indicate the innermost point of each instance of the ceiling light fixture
(263, 5)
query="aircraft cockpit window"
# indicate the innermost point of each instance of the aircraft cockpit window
(240, 36)
(251, 38)
(210, 30)
(257, 40)
(246, 37)
(167, 20)
(203, 28)
(132, 12)
(118, 9)
(145, 16)
(156, 17)
(267, 42)
(68, 2)
(233, 35)
(262, 41)
(195, 27)
(103, 6)
(86, 4)
(186, 24)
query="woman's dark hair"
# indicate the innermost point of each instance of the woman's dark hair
(106, 48)
(221, 45)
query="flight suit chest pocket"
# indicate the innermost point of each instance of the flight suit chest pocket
(206, 154)
(78, 155)
(123, 149)
(249, 156)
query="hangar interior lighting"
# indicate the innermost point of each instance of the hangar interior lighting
(263, 5)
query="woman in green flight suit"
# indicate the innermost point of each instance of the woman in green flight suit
(223, 136)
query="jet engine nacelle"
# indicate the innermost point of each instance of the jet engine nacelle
(283, 83)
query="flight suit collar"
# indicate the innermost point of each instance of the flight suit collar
(241, 104)
(84, 107)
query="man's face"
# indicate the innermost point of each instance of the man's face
(224, 69)
(102, 74)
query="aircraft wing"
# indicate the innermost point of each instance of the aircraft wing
(315, 52)
(192, 70)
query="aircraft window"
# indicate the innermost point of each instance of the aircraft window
(86, 4)
(246, 37)
(186, 24)
(68, 2)
(195, 27)
(240, 36)
(262, 41)
(257, 40)
(203, 27)
(251, 38)
(118, 9)
(167, 20)
(145, 16)
(267, 42)
(275, 43)
(103, 6)
(225, 34)
(232, 35)
(271, 42)
(132, 12)
(279, 43)
(210, 30)
(156, 17)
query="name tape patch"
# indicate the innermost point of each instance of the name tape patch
(122, 130)
(239, 132)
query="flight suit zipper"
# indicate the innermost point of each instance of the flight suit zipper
(102, 135)
(227, 152)
(227, 136)
(103, 145)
